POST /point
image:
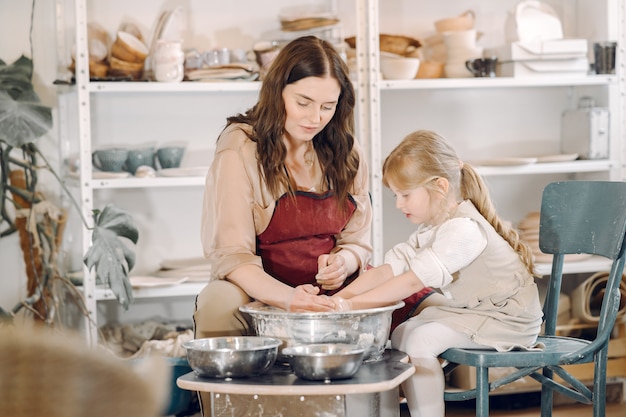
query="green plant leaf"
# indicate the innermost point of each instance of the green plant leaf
(23, 119)
(110, 256)
(16, 78)
(22, 122)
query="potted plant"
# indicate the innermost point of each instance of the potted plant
(39, 222)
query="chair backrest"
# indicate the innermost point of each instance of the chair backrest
(583, 217)
(44, 373)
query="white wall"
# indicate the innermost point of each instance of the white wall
(14, 42)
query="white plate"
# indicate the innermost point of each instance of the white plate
(180, 273)
(103, 175)
(184, 172)
(147, 281)
(565, 157)
(508, 161)
(186, 263)
(173, 25)
(210, 74)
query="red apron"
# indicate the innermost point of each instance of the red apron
(302, 228)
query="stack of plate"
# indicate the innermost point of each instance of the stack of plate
(193, 269)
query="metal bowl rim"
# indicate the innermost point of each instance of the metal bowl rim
(258, 308)
(351, 349)
(272, 342)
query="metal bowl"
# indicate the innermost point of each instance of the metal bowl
(325, 361)
(366, 328)
(232, 357)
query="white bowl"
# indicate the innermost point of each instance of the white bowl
(457, 70)
(460, 39)
(400, 68)
(464, 21)
(459, 55)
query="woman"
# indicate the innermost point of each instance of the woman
(286, 211)
(461, 247)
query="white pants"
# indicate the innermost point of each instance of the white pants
(424, 342)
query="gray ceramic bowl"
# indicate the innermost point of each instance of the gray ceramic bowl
(231, 357)
(325, 361)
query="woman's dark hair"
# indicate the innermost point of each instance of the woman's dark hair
(307, 56)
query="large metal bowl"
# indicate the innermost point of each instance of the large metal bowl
(232, 357)
(366, 328)
(326, 361)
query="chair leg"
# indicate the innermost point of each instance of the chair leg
(599, 383)
(546, 395)
(482, 392)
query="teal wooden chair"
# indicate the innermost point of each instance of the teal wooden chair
(576, 217)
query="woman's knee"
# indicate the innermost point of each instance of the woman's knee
(217, 310)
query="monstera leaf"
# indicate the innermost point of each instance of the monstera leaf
(23, 119)
(110, 256)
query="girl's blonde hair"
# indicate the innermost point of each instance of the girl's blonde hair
(424, 156)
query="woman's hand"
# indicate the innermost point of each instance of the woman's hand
(331, 271)
(305, 298)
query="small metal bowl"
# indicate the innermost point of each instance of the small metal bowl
(325, 361)
(232, 357)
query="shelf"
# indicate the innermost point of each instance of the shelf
(183, 87)
(148, 182)
(189, 289)
(498, 82)
(548, 168)
(595, 264)
(422, 84)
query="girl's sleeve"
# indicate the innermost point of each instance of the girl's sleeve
(227, 227)
(456, 244)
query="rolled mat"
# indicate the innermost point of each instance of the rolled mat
(586, 299)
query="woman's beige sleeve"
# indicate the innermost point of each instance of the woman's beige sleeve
(227, 228)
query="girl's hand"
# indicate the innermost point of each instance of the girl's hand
(331, 271)
(342, 304)
(305, 298)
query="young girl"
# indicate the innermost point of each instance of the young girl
(462, 248)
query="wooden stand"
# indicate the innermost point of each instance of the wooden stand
(372, 392)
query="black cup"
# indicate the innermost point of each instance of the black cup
(604, 55)
(482, 67)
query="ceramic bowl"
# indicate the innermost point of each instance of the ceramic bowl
(457, 70)
(460, 55)
(464, 21)
(398, 68)
(325, 361)
(463, 39)
(139, 157)
(231, 357)
(170, 156)
(129, 48)
(110, 160)
(430, 69)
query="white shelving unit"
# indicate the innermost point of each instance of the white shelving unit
(453, 107)
(462, 109)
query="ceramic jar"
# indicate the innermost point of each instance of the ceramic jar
(168, 61)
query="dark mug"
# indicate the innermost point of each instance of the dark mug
(482, 67)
